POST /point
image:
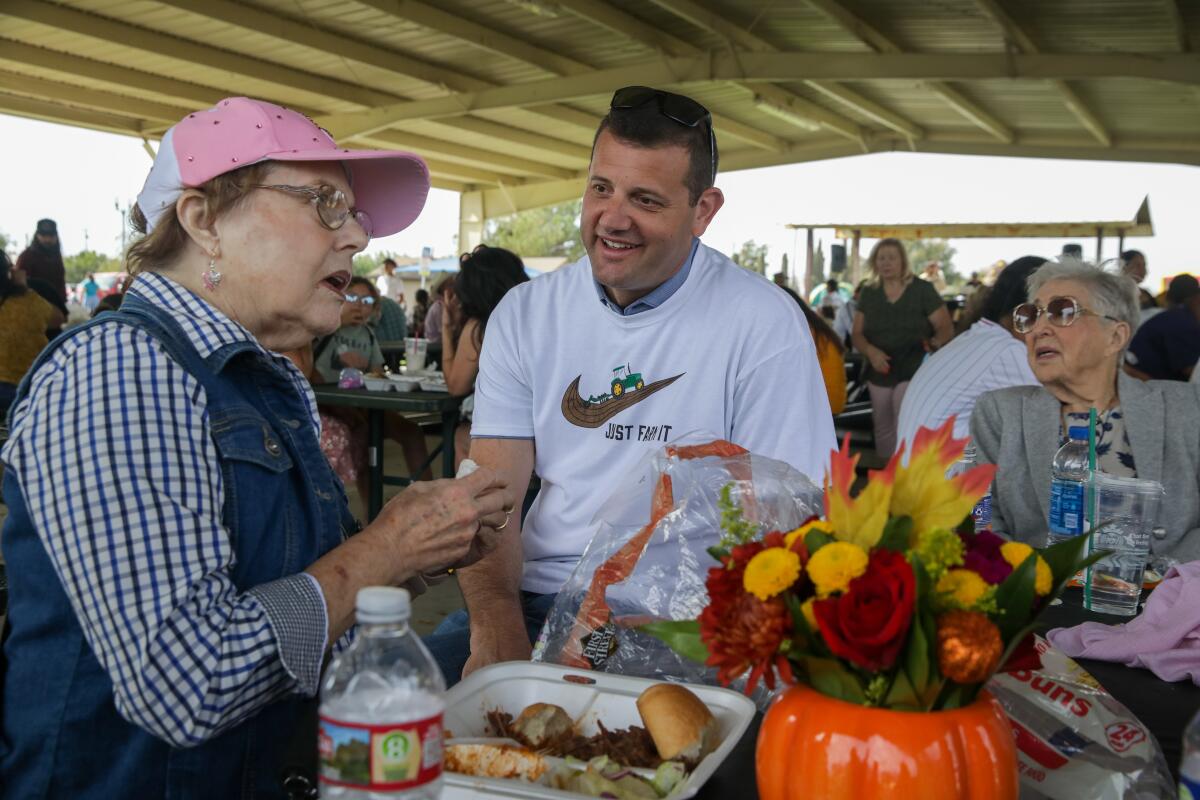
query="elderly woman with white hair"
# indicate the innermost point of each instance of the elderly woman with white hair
(1077, 325)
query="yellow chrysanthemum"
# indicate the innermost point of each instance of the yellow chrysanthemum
(1015, 553)
(810, 616)
(802, 531)
(836, 564)
(770, 572)
(964, 586)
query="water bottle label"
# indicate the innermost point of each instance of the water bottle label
(385, 758)
(1066, 508)
(1189, 789)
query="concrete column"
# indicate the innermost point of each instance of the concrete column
(471, 218)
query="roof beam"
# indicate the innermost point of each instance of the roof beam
(1014, 33)
(449, 169)
(880, 43)
(86, 97)
(750, 68)
(55, 112)
(714, 23)
(1179, 26)
(469, 155)
(106, 30)
(517, 136)
(630, 27)
(75, 66)
(481, 36)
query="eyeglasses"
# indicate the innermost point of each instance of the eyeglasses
(333, 209)
(366, 300)
(1062, 312)
(675, 107)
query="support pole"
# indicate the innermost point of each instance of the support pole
(808, 268)
(471, 219)
(1099, 243)
(855, 260)
(1120, 243)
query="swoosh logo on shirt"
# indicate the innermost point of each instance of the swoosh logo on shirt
(581, 413)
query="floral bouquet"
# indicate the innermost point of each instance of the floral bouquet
(891, 600)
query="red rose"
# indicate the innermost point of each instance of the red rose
(868, 623)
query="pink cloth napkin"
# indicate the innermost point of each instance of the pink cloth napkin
(1165, 639)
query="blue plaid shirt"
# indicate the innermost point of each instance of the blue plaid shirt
(122, 480)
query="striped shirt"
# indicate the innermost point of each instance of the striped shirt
(122, 481)
(984, 358)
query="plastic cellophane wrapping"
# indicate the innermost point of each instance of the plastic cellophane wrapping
(649, 559)
(1074, 739)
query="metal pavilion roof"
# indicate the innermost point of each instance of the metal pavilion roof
(502, 96)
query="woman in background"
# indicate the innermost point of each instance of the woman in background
(24, 319)
(900, 318)
(485, 276)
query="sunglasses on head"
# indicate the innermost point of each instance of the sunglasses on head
(1062, 312)
(355, 298)
(675, 107)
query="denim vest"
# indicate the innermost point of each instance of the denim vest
(283, 509)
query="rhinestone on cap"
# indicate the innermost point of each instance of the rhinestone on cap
(216, 122)
(234, 160)
(258, 124)
(191, 158)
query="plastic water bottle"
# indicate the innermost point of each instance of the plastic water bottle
(1069, 475)
(380, 734)
(1189, 765)
(982, 513)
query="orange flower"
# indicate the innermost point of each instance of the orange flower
(858, 520)
(921, 489)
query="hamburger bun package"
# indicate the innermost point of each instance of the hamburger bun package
(1074, 739)
(648, 558)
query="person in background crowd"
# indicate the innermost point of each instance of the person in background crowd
(1077, 323)
(933, 274)
(485, 275)
(24, 319)
(178, 550)
(390, 321)
(900, 318)
(831, 354)
(420, 310)
(47, 293)
(1133, 264)
(832, 300)
(443, 295)
(973, 285)
(355, 345)
(989, 355)
(843, 320)
(42, 260)
(91, 293)
(110, 302)
(391, 285)
(652, 301)
(1167, 345)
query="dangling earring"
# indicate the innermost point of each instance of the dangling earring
(210, 277)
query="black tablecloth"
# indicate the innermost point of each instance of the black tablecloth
(1164, 708)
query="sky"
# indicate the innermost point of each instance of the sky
(82, 178)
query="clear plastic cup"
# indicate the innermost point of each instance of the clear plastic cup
(415, 351)
(1128, 510)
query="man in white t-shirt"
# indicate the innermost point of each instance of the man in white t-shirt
(587, 369)
(989, 355)
(390, 284)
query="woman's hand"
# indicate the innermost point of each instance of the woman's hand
(433, 525)
(880, 361)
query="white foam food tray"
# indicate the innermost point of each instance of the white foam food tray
(589, 698)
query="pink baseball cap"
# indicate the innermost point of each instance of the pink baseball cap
(389, 185)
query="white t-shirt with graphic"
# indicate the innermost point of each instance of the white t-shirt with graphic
(728, 354)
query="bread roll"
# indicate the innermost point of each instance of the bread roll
(680, 724)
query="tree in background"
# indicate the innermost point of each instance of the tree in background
(752, 256)
(923, 251)
(547, 231)
(79, 265)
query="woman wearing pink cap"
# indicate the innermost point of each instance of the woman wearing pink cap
(176, 542)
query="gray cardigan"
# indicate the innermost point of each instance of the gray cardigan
(1018, 430)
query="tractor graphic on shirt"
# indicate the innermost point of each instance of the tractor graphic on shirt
(624, 379)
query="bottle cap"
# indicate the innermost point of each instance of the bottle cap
(382, 604)
(1078, 432)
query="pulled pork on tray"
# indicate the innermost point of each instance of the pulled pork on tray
(630, 746)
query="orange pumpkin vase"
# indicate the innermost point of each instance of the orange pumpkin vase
(814, 746)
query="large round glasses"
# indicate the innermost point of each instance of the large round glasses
(1061, 312)
(333, 209)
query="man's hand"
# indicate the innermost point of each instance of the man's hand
(500, 637)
